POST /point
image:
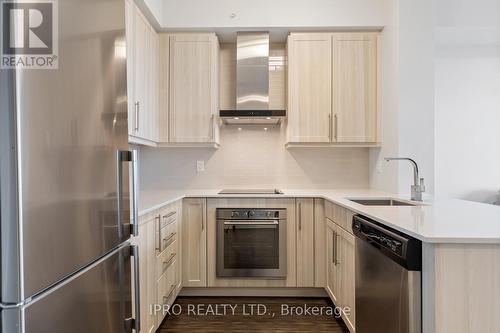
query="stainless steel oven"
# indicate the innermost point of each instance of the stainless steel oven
(251, 242)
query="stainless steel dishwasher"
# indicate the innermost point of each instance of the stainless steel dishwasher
(388, 279)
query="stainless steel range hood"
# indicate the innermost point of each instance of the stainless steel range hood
(252, 82)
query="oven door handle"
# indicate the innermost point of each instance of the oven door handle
(250, 222)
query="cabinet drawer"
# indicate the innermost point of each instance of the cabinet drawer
(167, 285)
(168, 217)
(166, 259)
(166, 236)
(339, 215)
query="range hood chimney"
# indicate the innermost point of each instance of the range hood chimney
(252, 82)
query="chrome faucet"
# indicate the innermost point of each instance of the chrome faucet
(418, 186)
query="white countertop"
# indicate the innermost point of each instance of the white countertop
(438, 221)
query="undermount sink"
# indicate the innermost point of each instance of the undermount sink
(383, 202)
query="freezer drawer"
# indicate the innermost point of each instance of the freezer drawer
(96, 300)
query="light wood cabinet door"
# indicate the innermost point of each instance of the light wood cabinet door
(178, 208)
(309, 87)
(146, 108)
(194, 243)
(147, 272)
(331, 261)
(164, 74)
(355, 87)
(153, 85)
(193, 87)
(319, 244)
(346, 276)
(142, 77)
(140, 69)
(305, 242)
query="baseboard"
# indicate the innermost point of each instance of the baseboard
(255, 292)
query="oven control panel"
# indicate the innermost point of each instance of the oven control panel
(250, 213)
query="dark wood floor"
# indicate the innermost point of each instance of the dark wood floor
(206, 314)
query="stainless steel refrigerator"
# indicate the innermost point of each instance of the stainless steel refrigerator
(65, 170)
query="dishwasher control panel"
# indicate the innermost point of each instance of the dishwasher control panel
(404, 249)
(390, 242)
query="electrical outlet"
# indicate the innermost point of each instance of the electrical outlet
(200, 166)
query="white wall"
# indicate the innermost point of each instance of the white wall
(407, 98)
(467, 104)
(253, 158)
(383, 176)
(416, 91)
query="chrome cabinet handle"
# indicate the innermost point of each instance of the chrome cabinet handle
(337, 261)
(334, 248)
(212, 130)
(158, 246)
(137, 106)
(330, 126)
(168, 240)
(165, 217)
(171, 291)
(169, 262)
(137, 293)
(169, 214)
(251, 222)
(300, 215)
(336, 126)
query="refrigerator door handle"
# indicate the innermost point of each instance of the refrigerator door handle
(129, 156)
(137, 293)
(135, 187)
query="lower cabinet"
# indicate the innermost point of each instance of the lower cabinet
(173, 252)
(194, 242)
(167, 257)
(305, 242)
(332, 276)
(147, 272)
(159, 263)
(346, 274)
(340, 269)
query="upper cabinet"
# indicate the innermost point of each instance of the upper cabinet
(193, 88)
(172, 85)
(333, 89)
(309, 87)
(189, 90)
(142, 77)
(332, 86)
(355, 87)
